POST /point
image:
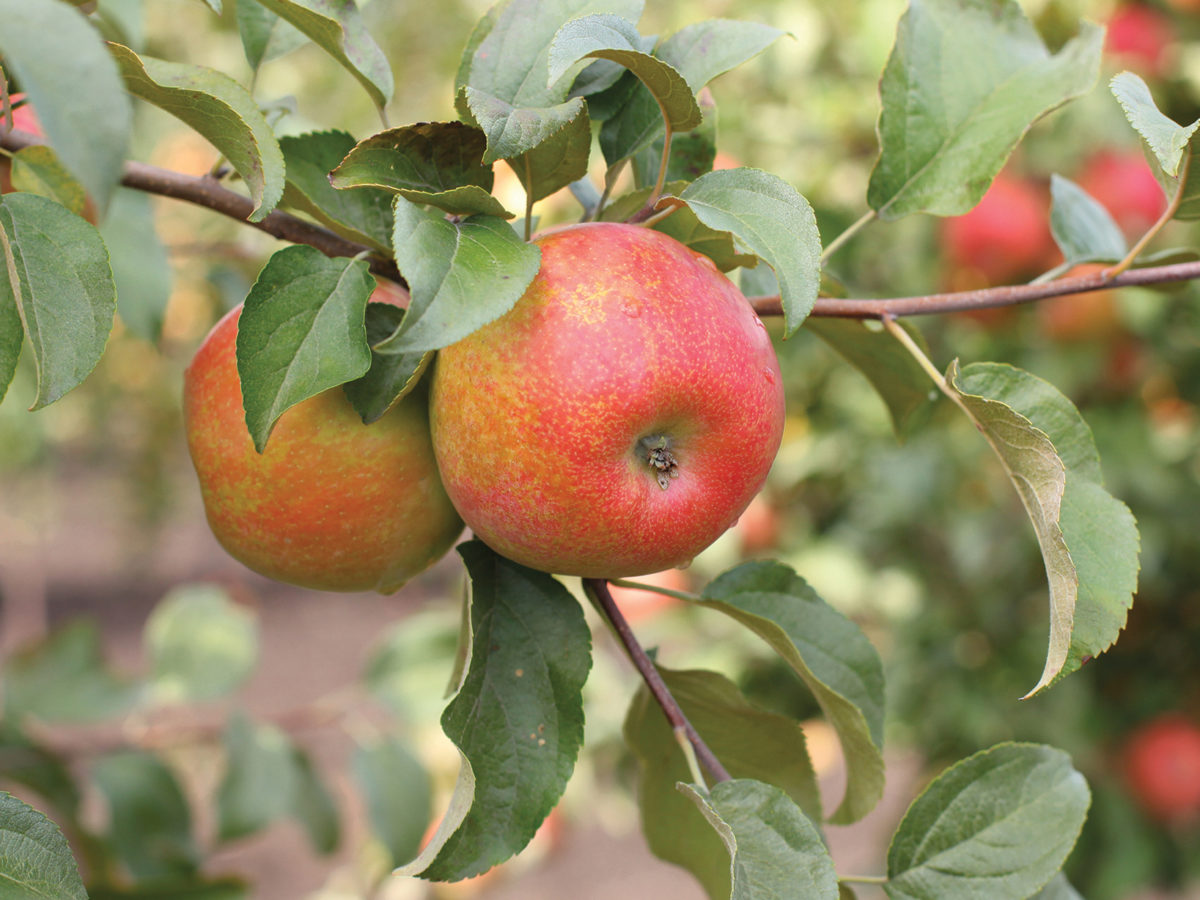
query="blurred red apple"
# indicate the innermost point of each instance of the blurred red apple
(1139, 37)
(1088, 316)
(1125, 185)
(1004, 239)
(23, 119)
(637, 605)
(1162, 767)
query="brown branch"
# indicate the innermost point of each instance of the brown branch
(206, 191)
(984, 298)
(597, 588)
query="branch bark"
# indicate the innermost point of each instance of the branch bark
(208, 192)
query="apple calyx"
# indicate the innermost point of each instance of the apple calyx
(660, 458)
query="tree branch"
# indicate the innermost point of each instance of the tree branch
(597, 588)
(984, 298)
(208, 192)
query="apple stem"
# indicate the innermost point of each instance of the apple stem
(597, 589)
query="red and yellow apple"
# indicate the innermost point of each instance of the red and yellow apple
(1162, 767)
(331, 503)
(1089, 316)
(619, 418)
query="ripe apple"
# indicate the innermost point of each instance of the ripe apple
(1139, 37)
(1005, 238)
(619, 418)
(1162, 767)
(331, 503)
(1125, 185)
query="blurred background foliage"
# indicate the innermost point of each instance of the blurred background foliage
(921, 540)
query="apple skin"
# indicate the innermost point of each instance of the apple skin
(331, 503)
(1162, 767)
(545, 420)
(1089, 316)
(1004, 238)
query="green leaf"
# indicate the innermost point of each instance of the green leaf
(1083, 229)
(265, 36)
(398, 793)
(392, 375)
(705, 50)
(140, 267)
(221, 110)
(1088, 539)
(997, 825)
(896, 376)
(965, 81)
(775, 852)
(150, 823)
(408, 670)
(461, 275)
(558, 161)
(35, 858)
(504, 80)
(700, 52)
(363, 215)
(749, 741)
(829, 653)
(55, 286)
(617, 40)
(313, 806)
(337, 27)
(201, 645)
(517, 719)
(260, 781)
(38, 768)
(39, 171)
(64, 679)
(439, 163)
(71, 80)
(769, 219)
(1166, 140)
(1058, 888)
(301, 332)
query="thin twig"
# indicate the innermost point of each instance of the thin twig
(598, 589)
(842, 239)
(984, 298)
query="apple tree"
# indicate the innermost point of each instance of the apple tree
(606, 386)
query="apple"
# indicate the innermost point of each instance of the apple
(1125, 185)
(619, 418)
(1003, 239)
(23, 119)
(331, 503)
(1139, 37)
(1092, 315)
(637, 605)
(1162, 767)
